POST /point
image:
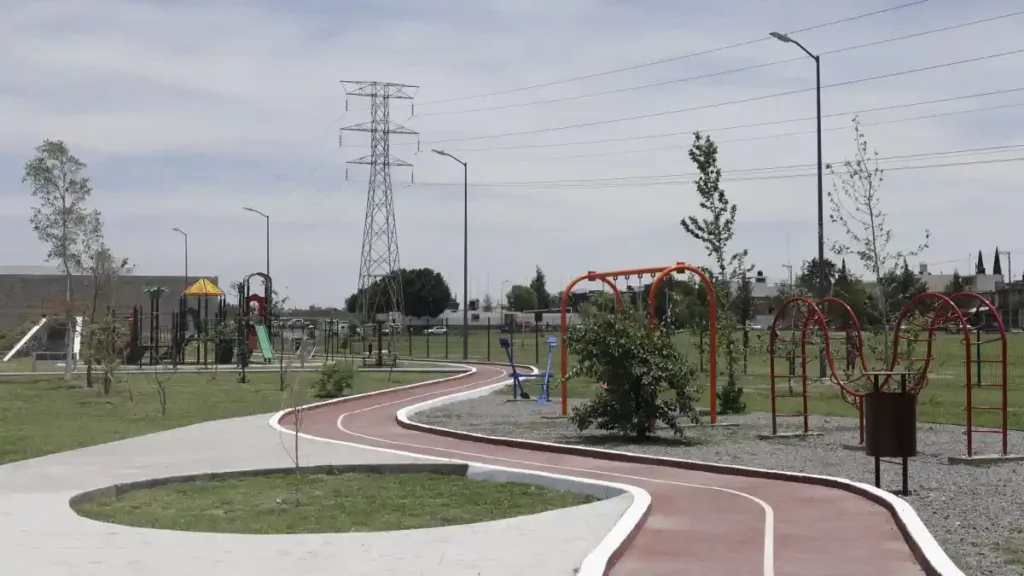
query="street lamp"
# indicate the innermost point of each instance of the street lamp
(822, 284)
(255, 211)
(180, 231)
(465, 252)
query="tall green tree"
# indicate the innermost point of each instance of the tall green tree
(979, 268)
(103, 270)
(61, 189)
(956, 285)
(715, 231)
(997, 266)
(424, 291)
(521, 298)
(539, 285)
(808, 278)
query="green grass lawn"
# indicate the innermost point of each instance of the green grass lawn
(42, 414)
(321, 503)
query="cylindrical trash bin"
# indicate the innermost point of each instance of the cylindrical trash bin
(890, 424)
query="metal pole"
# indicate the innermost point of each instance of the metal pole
(465, 261)
(822, 287)
(268, 243)
(186, 260)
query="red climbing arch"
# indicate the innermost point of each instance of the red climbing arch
(919, 322)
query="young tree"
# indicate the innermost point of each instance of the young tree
(103, 269)
(539, 285)
(104, 349)
(979, 268)
(58, 184)
(715, 232)
(521, 298)
(488, 304)
(856, 206)
(743, 309)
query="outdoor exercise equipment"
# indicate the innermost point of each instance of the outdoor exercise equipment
(660, 272)
(920, 320)
(508, 345)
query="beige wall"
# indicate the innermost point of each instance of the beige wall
(24, 297)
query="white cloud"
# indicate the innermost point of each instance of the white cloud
(188, 111)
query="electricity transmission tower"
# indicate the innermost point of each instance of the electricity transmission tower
(380, 284)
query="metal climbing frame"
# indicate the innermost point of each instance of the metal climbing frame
(925, 313)
(659, 272)
(948, 309)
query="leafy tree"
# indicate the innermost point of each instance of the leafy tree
(997, 266)
(856, 206)
(715, 232)
(956, 285)
(424, 292)
(979, 268)
(648, 378)
(488, 304)
(60, 218)
(808, 278)
(540, 288)
(521, 298)
(743, 310)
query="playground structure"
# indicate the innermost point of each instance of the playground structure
(508, 345)
(190, 328)
(254, 320)
(918, 323)
(659, 273)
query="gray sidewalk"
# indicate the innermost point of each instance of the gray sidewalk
(41, 536)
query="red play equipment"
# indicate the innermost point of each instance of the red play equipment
(659, 273)
(925, 315)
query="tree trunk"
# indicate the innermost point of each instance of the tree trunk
(68, 336)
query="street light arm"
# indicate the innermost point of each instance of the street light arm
(786, 38)
(255, 211)
(443, 153)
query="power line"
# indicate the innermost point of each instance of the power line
(721, 72)
(740, 126)
(762, 137)
(730, 102)
(630, 180)
(673, 58)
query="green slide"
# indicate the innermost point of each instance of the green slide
(263, 339)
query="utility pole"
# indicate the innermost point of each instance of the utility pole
(790, 268)
(379, 262)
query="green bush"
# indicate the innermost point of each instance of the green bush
(648, 378)
(334, 380)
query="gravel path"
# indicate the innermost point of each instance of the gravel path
(976, 513)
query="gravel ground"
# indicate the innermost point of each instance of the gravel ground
(976, 513)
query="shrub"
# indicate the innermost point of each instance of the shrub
(334, 380)
(648, 379)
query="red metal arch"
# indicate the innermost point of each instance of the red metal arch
(712, 319)
(563, 353)
(1003, 409)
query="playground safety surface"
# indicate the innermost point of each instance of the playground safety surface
(699, 523)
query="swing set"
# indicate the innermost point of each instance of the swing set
(658, 273)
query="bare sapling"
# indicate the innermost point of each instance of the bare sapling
(856, 206)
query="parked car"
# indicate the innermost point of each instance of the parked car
(435, 330)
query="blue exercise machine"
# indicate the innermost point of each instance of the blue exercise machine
(517, 377)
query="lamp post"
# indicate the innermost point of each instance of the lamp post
(255, 211)
(822, 281)
(465, 252)
(180, 231)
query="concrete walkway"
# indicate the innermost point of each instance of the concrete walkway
(41, 536)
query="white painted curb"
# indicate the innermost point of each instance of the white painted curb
(595, 563)
(934, 553)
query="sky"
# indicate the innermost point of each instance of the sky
(187, 111)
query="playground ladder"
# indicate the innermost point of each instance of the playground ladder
(970, 408)
(788, 358)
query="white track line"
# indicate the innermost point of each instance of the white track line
(769, 515)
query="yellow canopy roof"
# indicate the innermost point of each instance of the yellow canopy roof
(202, 288)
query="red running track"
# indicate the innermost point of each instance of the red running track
(699, 523)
